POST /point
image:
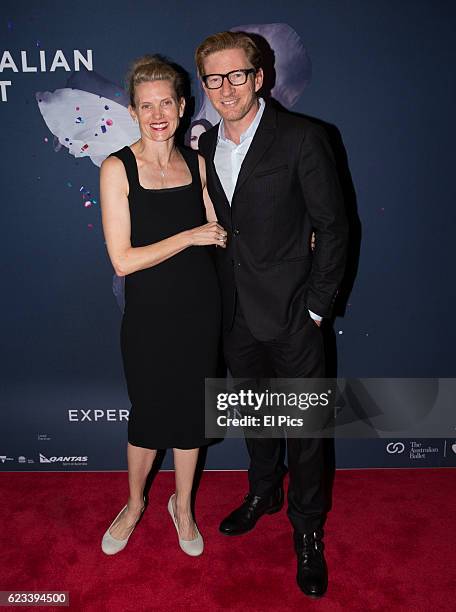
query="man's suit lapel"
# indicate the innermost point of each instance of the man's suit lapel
(262, 141)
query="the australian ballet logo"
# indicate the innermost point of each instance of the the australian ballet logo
(395, 448)
(40, 61)
(417, 451)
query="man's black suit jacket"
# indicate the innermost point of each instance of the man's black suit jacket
(287, 187)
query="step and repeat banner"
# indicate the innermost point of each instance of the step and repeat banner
(378, 75)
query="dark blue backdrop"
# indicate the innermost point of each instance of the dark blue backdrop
(383, 73)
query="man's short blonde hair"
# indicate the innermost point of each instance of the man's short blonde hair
(227, 40)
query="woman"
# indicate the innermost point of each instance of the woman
(158, 222)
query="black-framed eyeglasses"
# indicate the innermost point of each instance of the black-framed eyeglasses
(235, 77)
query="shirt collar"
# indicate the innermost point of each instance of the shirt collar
(250, 131)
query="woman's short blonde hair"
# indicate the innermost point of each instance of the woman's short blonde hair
(154, 68)
(227, 40)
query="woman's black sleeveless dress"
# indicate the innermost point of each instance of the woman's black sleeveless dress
(171, 324)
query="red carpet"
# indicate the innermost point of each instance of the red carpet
(390, 542)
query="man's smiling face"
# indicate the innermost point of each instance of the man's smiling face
(233, 103)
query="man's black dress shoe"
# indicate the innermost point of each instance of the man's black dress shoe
(245, 517)
(312, 577)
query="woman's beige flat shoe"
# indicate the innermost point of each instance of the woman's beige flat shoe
(110, 545)
(194, 547)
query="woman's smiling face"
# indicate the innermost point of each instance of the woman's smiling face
(157, 110)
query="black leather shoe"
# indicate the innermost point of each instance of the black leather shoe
(312, 577)
(245, 517)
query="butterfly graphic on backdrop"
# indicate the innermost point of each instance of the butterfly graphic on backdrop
(89, 117)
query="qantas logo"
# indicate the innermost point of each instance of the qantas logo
(69, 459)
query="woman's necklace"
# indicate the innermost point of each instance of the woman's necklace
(164, 170)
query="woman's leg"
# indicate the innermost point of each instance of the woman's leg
(140, 461)
(184, 465)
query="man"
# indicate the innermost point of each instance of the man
(272, 179)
